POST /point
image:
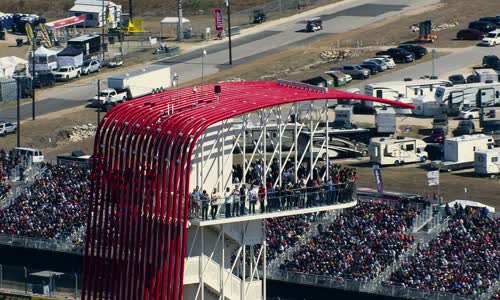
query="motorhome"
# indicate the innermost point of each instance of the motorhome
(343, 116)
(489, 121)
(459, 151)
(487, 162)
(461, 96)
(396, 151)
(385, 120)
(403, 91)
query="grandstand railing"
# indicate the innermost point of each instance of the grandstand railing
(41, 244)
(365, 286)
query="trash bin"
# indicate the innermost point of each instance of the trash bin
(187, 34)
(19, 42)
(111, 39)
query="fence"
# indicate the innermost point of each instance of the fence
(41, 244)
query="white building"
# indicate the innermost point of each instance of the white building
(98, 13)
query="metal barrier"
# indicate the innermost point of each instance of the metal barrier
(51, 245)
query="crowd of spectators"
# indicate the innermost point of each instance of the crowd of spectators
(285, 232)
(358, 245)
(463, 259)
(283, 192)
(8, 161)
(53, 207)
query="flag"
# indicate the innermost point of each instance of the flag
(433, 178)
(378, 178)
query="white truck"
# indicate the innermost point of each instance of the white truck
(487, 162)
(108, 96)
(396, 151)
(150, 79)
(459, 151)
(403, 91)
(461, 96)
(67, 73)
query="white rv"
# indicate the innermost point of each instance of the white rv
(459, 151)
(396, 151)
(461, 96)
(487, 162)
(385, 119)
(403, 91)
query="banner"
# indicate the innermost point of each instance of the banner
(433, 178)
(378, 178)
(45, 36)
(29, 32)
(219, 23)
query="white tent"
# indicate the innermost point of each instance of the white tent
(70, 57)
(465, 203)
(171, 21)
(8, 65)
(45, 59)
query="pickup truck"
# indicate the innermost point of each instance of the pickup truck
(108, 97)
(67, 73)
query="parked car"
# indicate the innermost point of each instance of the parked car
(387, 60)
(464, 127)
(438, 135)
(259, 16)
(6, 128)
(469, 114)
(440, 121)
(91, 67)
(356, 71)
(457, 79)
(398, 54)
(381, 65)
(44, 79)
(491, 39)
(470, 34)
(67, 73)
(370, 66)
(116, 61)
(491, 61)
(483, 27)
(418, 51)
(348, 78)
(314, 24)
(494, 20)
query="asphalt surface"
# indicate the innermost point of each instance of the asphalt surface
(346, 16)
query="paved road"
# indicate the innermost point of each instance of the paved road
(346, 16)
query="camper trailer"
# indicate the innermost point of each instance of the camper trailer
(459, 151)
(343, 117)
(487, 162)
(461, 96)
(403, 91)
(385, 120)
(396, 151)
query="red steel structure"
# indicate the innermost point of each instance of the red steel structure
(137, 225)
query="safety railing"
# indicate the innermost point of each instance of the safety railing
(41, 244)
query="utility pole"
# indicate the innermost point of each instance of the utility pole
(229, 31)
(33, 43)
(18, 131)
(179, 21)
(102, 32)
(130, 9)
(99, 101)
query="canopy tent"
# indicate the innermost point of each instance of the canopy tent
(70, 56)
(66, 22)
(171, 21)
(470, 203)
(45, 59)
(9, 64)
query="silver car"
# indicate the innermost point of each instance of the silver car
(356, 71)
(6, 128)
(91, 67)
(382, 65)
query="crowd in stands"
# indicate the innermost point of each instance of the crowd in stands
(53, 207)
(358, 245)
(283, 191)
(463, 259)
(285, 232)
(8, 161)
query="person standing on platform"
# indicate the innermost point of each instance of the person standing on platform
(262, 198)
(252, 199)
(236, 202)
(213, 201)
(227, 202)
(243, 198)
(204, 205)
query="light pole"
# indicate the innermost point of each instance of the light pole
(433, 62)
(202, 70)
(228, 5)
(176, 80)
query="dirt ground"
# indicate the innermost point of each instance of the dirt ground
(412, 178)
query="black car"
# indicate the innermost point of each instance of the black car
(417, 50)
(484, 27)
(44, 79)
(464, 127)
(494, 20)
(398, 54)
(370, 66)
(457, 79)
(470, 34)
(491, 61)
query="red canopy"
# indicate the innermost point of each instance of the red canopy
(66, 22)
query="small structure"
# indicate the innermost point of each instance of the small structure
(88, 44)
(9, 64)
(8, 89)
(323, 81)
(45, 59)
(70, 56)
(172, 21)
(385, 120)
(426, 106)
(98, 13)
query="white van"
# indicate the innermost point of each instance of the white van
(35, 155)
(492, 38)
